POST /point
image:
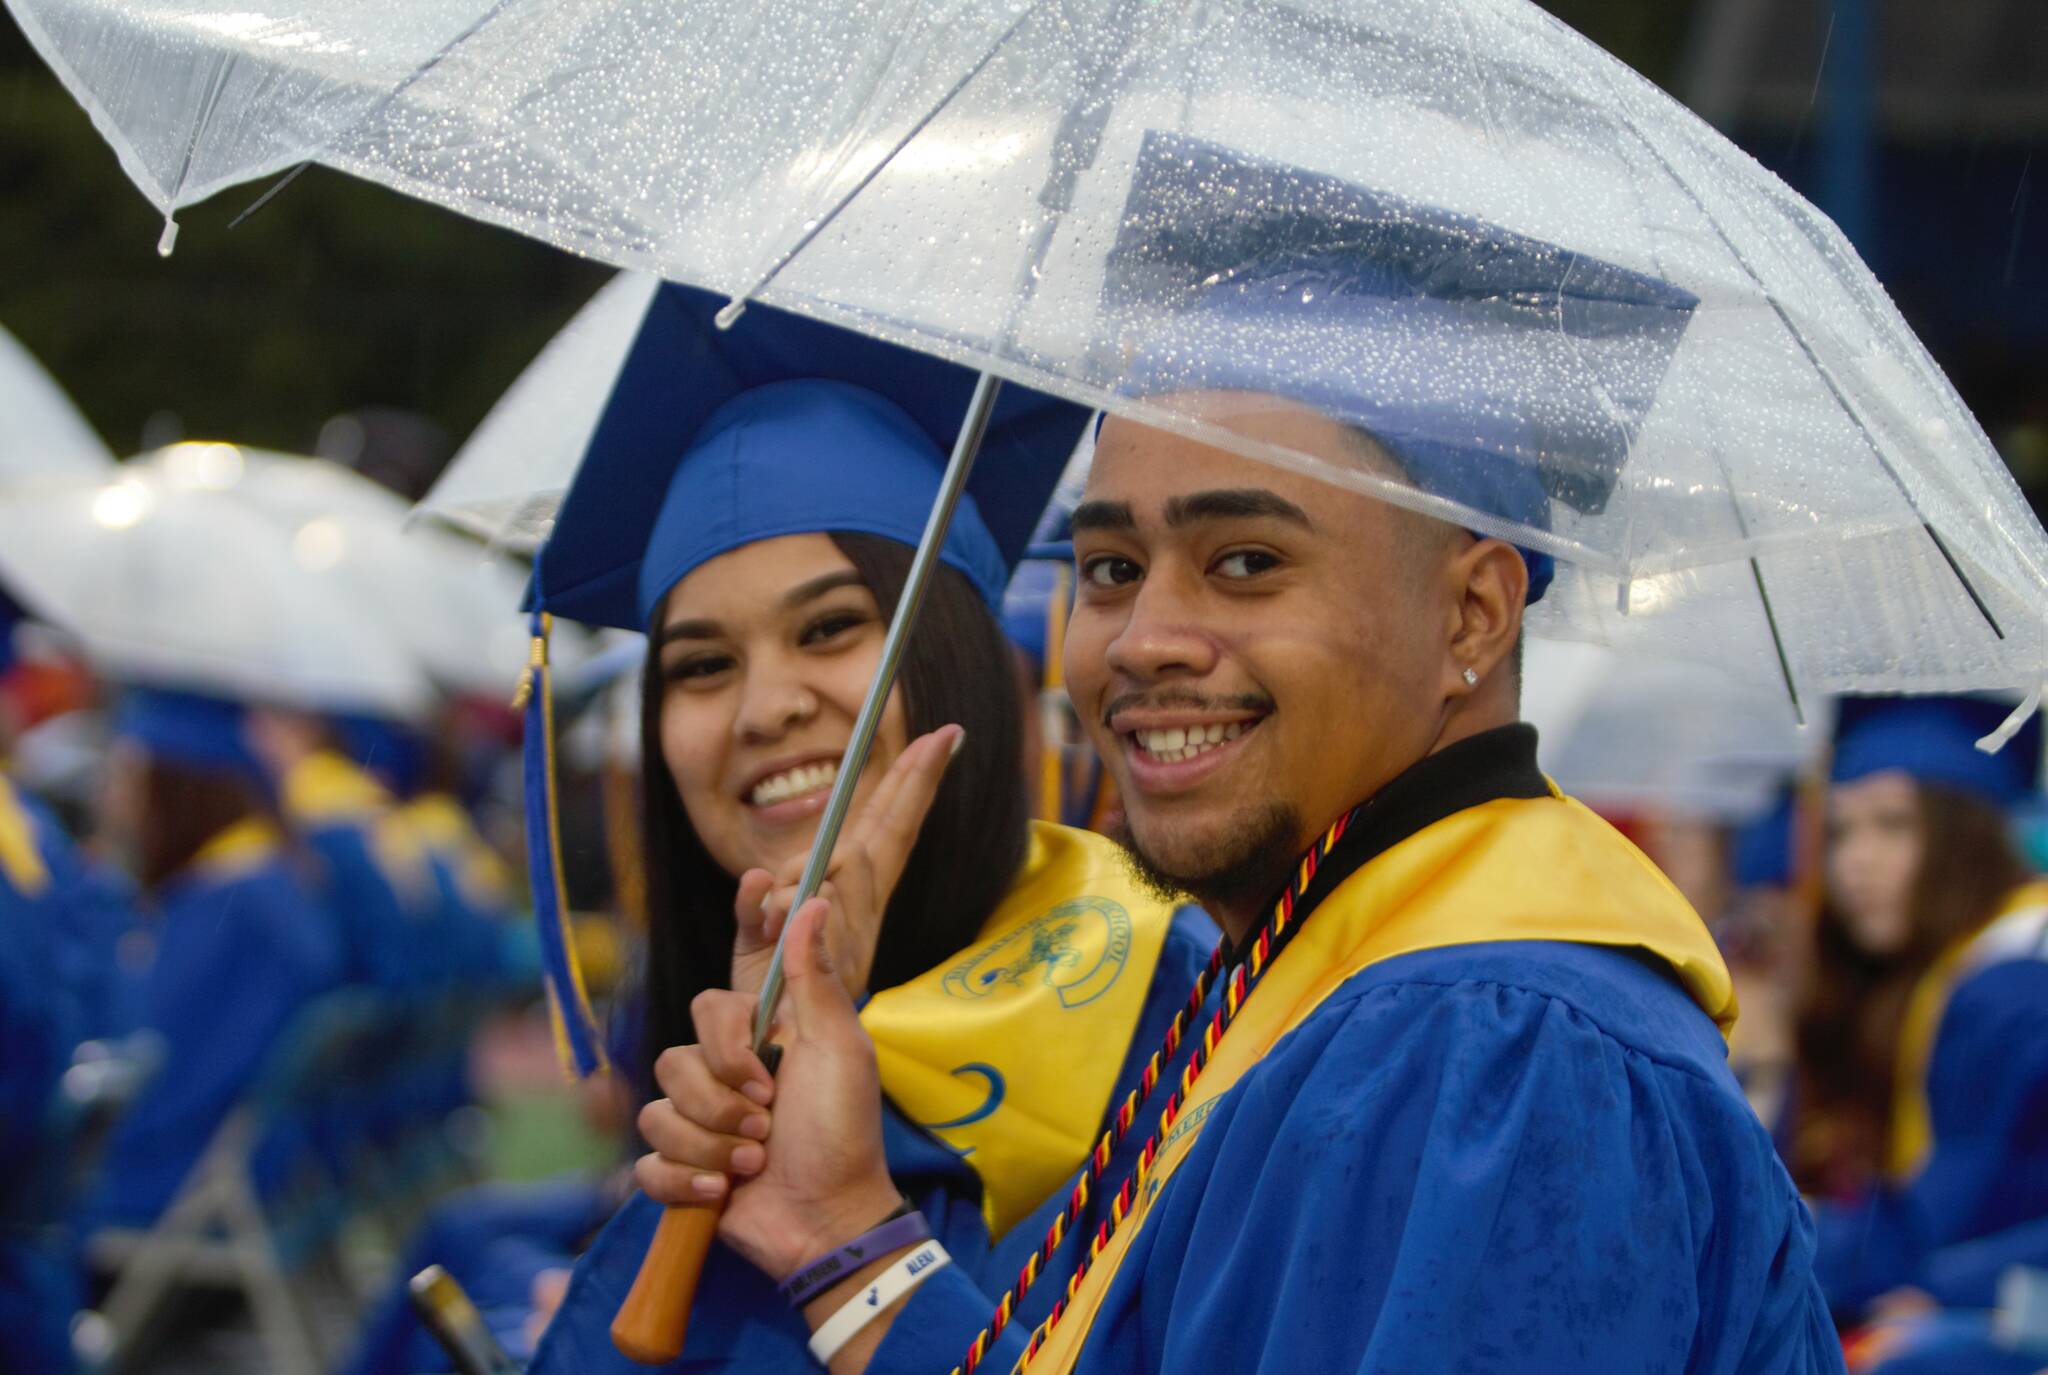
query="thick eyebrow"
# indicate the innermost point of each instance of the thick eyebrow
(1103, 515)
(819, 586)
(1234, 503)
(796, 596)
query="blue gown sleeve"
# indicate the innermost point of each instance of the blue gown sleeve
(1987, 1099)
(1464, 1176)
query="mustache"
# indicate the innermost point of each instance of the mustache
(1187, 699)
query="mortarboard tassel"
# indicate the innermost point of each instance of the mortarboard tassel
(576, 1034)
(1052, 758)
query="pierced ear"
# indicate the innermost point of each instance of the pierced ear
(1494, 590)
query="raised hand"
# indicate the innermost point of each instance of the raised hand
(873, 847)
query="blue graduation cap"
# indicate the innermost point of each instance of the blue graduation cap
(10, 616)
(194, 729)
(716, 438)
(1499, 370)
(691, 458)
(1934, 739)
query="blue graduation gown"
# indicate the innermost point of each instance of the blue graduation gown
(79, 920)
(239, 953)
(1505, 1156)
(1955, 1226)
(38, 1286)
(740, 1323)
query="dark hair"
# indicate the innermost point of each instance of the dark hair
(1848, 1045)
(955, 670)
(184, 807)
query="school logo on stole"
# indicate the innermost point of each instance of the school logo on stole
(1078, 949)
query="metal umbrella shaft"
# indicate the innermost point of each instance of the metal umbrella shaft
(975, 424)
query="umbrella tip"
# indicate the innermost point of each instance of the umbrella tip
(169, 238)
(729, 314)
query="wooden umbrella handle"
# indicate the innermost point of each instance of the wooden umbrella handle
(653, 1320)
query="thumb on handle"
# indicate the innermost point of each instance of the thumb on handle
(655, 1317)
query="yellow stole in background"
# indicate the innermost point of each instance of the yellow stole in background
(1515, 869)
(237, 849)
(1009, 1051)
(21, 863)
(1912, 1134)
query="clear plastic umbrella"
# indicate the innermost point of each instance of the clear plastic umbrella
(452, 606)
(1455, 222)
(189, 587)
(41, 432)
(508, 478)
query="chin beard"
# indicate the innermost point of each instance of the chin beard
(1240, 873)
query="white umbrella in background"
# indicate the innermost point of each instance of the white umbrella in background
(41, 432)
(509, 476)
(194, 588)
(1629, 734)
(453, 607)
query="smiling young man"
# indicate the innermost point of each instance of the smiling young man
(1469, 1107)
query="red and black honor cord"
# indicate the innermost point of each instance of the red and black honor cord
(1295, 902)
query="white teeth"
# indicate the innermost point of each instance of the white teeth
(806, 778)
(1178, 743)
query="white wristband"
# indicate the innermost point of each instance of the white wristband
(860, 1310)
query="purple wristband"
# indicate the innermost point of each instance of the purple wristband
(815, 1277)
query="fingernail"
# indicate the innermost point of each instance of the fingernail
(708, 1185)
(748, 1159)
(958, 741)
(757, 1091)
(755, 1126)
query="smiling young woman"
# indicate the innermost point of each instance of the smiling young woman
(1004, 967)
(762, 659)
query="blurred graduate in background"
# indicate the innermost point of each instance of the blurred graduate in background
(241, 941)
(1922, 1130)
(38, 1288)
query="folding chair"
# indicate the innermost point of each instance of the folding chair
(222, 1229)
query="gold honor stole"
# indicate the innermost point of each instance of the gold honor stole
(1009, 1052)
(240, 848)
(1514, 869)
(1912, 1134)
(21, 863)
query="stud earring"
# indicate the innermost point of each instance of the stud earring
(1471, 677)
